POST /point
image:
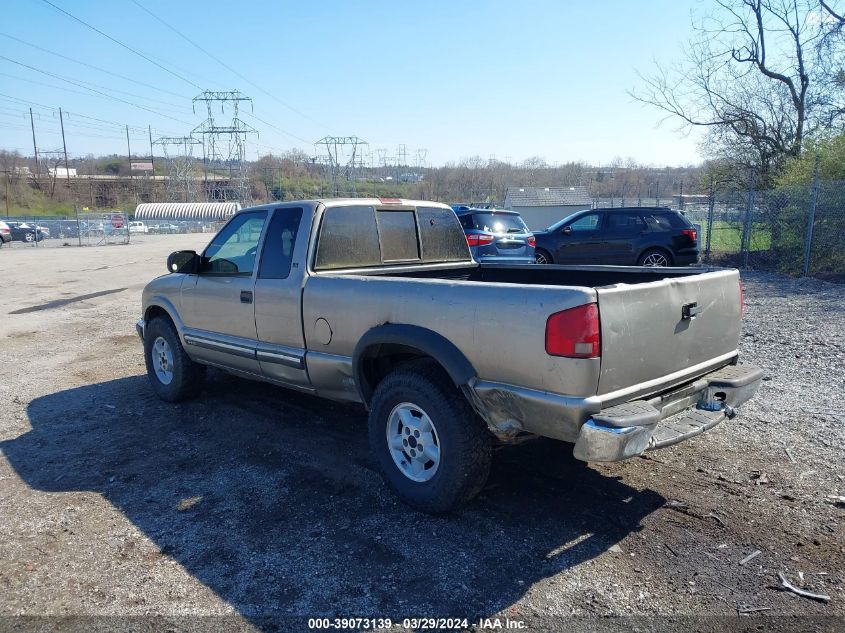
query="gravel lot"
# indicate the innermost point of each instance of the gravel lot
(255, 502)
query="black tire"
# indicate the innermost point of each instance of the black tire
(654, 253)
(188, 376)
(542, 257)
(465, 442)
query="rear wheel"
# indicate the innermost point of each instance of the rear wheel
(29, 237)
(542, 257)
(433, 451)
(654, 258)
(172, 374)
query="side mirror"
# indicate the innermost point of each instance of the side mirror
(567, 230)
(187, 262)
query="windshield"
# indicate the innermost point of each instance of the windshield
(494, 222)
(560, 223)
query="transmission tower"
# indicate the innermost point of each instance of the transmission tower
(420, 159)
(344, 158)
(224, 145)
(179, 153)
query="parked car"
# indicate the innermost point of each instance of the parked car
(138, 227)
(380, 302)
(68, 228)
(634, 236)
(5, 233)
(23, 232)
(496, 235)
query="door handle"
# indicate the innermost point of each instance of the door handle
(246, 296)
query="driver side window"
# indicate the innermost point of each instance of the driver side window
(589, 222)
(233, 249)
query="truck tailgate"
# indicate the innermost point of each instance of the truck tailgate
(648, 342)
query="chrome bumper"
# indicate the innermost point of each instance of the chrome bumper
(139, 328)
(627, 430)
(610, 434)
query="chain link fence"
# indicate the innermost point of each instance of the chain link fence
(798, 231)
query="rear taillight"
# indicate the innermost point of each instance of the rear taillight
(741, 299)
(475, 239)
(574, 333)
(690, 233)
(532, 241)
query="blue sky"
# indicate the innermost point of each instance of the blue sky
(513, 80)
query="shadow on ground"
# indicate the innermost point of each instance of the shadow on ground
(268, 498)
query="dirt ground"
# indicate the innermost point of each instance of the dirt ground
(260, 504)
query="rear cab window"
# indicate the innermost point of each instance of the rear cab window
(359, 236)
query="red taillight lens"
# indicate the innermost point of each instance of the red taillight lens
(690, 233)
(574, 333)
(532, 241)
(474, 239)
(741, 299)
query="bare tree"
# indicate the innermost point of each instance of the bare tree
(751, 76)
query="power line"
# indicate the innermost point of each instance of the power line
(229, 68)
(86, 85)
(42, 106)
(119, 43)
(97, 68)
(102, 94)
(275, 127)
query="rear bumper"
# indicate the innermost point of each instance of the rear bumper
(603, 433)
(623, 431)
(686, 256)
(505, 259)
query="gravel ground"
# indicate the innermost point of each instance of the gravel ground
(253, 502)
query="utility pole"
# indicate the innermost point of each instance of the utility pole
(67, 173)
(152, 164)
(129, 155)
(34, 146)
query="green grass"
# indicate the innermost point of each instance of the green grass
(727, 237)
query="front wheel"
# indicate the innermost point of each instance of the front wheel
(173, 375)
(542, 257)
(654, 258)
(433, 451)
(29, 237)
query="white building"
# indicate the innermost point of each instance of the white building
(541, 207)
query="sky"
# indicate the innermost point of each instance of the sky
(458, 79)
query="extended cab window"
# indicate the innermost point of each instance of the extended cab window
(278, 245)
(441, 236)
(348, 239)
(233, 249)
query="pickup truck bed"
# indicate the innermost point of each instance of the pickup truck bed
(616, 360)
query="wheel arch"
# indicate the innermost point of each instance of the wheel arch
(663, 249)
(385, 346)
(162, 307)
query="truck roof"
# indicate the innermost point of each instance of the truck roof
(341, 202)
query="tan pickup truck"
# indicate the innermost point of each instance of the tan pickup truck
(378, 301)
